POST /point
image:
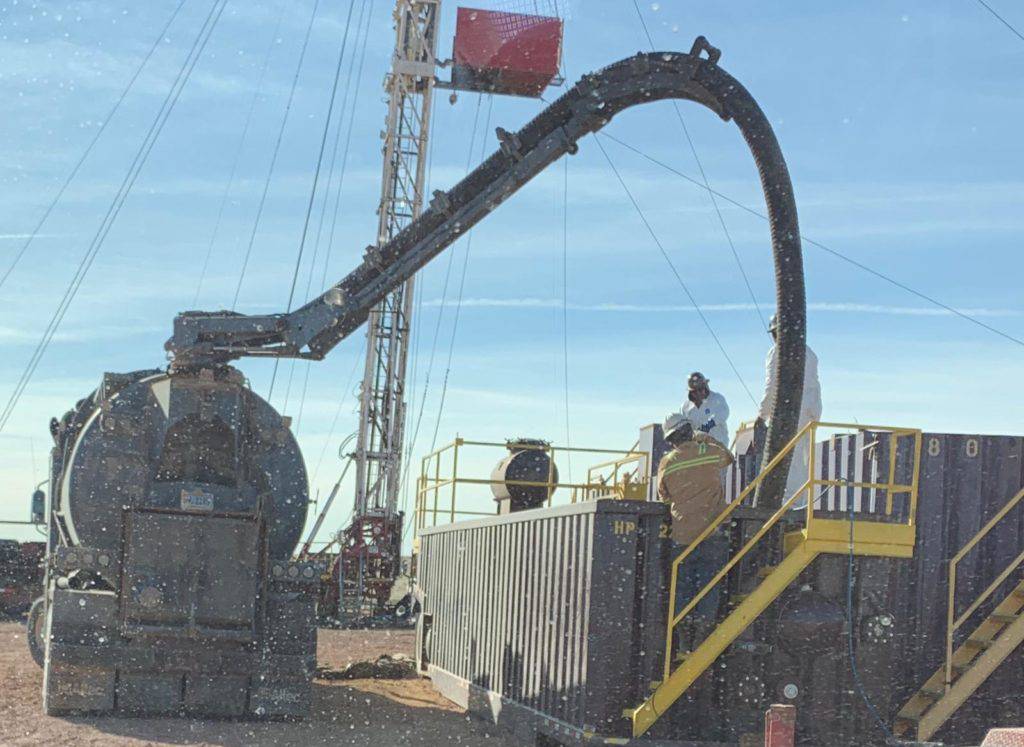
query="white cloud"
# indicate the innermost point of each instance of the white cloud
(834, 307)
(90, 333)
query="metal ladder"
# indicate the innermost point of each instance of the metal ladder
(819, 535)
(971, 663)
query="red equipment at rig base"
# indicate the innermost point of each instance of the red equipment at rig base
(507, 53)
(371, 546)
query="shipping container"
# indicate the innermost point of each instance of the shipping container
(545, 621)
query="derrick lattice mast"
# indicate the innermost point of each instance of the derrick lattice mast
(376, 521)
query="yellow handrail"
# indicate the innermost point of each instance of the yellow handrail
(809, 431)
(436, 478)
(952, 625)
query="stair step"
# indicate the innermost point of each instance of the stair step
(765, 571)
(1004, 619)
(909, 720)
(961, 668)
(977, 643)
(933, 694)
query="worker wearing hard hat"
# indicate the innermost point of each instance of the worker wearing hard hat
(707, 409)
(689, 481)
(810, 410)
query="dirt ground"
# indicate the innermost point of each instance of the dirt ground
(349, 712)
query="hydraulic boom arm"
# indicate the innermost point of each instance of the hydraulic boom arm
(203, 339)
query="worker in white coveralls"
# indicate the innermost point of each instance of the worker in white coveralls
(810, 410)
(707, 410)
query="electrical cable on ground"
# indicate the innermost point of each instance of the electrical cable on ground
(88, 149)
(273, 158)
(238, 155)
(675, 272)
(1002, 20)
(707, 183)
(312, 196)
(141, 156)
(839, 255)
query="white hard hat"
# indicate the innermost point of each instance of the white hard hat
(674, 422)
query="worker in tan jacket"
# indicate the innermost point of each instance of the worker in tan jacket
(690, 481)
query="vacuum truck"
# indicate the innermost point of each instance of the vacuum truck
(176, 504)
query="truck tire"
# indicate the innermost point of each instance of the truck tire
(36, 627)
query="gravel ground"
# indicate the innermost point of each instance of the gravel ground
(345, 712)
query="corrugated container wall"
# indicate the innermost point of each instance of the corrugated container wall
(552, 615)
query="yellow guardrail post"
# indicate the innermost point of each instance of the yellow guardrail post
(551, 473)
(811, 482)
(893, 443)
(915, 480)
(455, 471)
(437, 484)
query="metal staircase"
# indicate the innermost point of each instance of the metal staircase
(970, 664)
(800, 548)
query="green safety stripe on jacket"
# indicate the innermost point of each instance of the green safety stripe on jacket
(699, 461)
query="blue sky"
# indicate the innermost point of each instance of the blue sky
(899, 120)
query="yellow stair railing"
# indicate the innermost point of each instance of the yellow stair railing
(969, 665)
(818, 535)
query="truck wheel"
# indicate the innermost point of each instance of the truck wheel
(36, 625)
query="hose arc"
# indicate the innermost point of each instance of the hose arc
(584, 109)
(713, 87)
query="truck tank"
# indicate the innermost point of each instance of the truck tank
(177, 501)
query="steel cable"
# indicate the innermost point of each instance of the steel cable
(312, 198)
(341, 178)
(323, 210)
(206, 30)
(444, 293)
(273, 158)
(707, 184)
(348, 143)
(839, 255)
(462, 287)
(565, 307)
(675, 272)
(238, 155)
(999, 18)
(95, 138)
